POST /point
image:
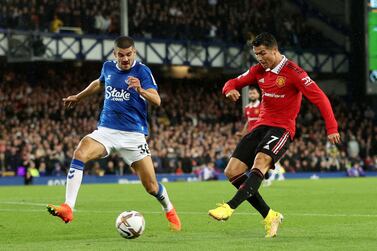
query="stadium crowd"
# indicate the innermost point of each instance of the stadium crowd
(211, 20)
(194, 128)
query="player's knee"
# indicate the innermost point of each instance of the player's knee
(234, 168)
(262, 162)
(79, 154)
(229, 173)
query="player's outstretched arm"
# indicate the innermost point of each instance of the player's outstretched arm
(233, 95)
(231, 87)
(94, 87)
(151, 95)
(316, 96)
(334, 138)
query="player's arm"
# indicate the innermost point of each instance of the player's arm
(94, 87)
(231, 87)
(150, 94)
(316, 96)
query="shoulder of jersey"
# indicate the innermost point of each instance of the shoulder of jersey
(109, 63)
(258, 68)
(292, 66)
(143, 67)
(140, 64)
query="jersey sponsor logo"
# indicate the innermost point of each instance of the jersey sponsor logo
(273, 95)
(307, 81)
(115, 95)
(280, 81)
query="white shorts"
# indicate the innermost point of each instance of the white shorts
(131, 146)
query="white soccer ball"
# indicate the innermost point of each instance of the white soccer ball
(130, 224)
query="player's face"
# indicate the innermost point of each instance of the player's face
(253, 95)
(267, 57)
(125, 57)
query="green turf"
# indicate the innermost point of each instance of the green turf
(332, 214)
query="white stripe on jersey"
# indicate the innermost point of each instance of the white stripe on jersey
(243, 74)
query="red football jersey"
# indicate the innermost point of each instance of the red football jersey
(252, 111)
(282, 89)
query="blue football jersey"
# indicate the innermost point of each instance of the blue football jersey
(123, 109)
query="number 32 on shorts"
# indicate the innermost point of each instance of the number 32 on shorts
(144, 149)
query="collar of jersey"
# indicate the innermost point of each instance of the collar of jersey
(116, 64)
(280, 65)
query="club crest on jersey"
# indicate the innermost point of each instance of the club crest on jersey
(256, 111)
(280, 81)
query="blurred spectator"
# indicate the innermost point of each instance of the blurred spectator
(206, 172)
(56, 24)
(355, 170)
(194, 127)
(212, 20)
(353, 148)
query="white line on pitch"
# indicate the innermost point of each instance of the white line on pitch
(159, 212)
(22, 203)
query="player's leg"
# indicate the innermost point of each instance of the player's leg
(241, 161)
(251, 185)
(236, 173)
(88, 149)
(246, 190)
(270, 150)
(145, 170)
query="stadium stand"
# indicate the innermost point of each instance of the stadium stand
(194, 128)
(207, 21)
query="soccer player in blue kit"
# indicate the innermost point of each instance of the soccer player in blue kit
(128, 86)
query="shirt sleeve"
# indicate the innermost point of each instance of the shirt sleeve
(247, 78)
(147, 80)
(316, 96)
(102, 76)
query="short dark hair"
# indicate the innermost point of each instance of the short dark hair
(254, 87)
(124, 42)
(266, 39)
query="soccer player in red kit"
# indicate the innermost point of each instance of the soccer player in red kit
(282, 83)
(251, 110)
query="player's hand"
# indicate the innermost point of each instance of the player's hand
(71, 101)
(334, 138)
(134, 83)
(233, 95)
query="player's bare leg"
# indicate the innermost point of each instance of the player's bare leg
(88, 149)
(144, 168)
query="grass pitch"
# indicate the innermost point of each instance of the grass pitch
(327, 214)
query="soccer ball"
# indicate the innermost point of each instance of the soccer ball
(130, 224)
